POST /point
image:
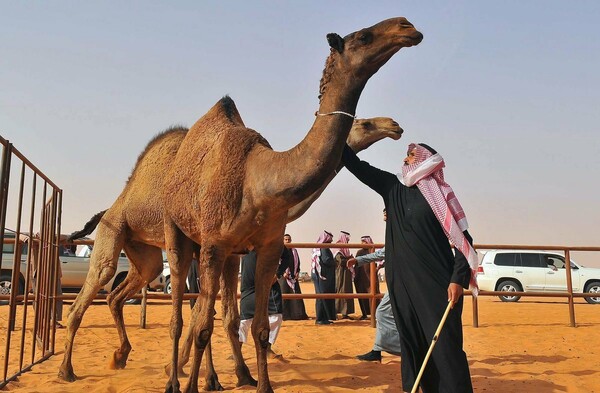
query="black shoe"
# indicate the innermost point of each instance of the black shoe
(323, 322)
(372, 356)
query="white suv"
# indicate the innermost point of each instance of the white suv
(534, 271)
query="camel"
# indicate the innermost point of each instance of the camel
(141, 208)
(227, 189)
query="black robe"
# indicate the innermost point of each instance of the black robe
(419, 266)
(247, 288)
(325, 308)
(293, 309)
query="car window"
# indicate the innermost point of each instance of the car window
(505, 259)
(556, 260)
(532, 260)
(8, 248)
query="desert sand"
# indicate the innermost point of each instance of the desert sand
(518, 347)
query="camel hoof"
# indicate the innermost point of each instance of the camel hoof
(118, 362)
(172, 388)
(212, 384)
(67, 375)
(247, 380)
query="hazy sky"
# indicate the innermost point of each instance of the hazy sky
(508, 92)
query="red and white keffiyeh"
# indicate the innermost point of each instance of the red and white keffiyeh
(427, 174)
(344, 239)
(315, 264)
(291, 280)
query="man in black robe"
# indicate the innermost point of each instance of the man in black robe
(323, 276)
(422, 273)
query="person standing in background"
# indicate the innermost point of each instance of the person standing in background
(323, 276)
(343, 277)
(293, 309)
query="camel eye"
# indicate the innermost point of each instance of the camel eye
(365, 38)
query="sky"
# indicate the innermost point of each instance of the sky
(507, 92)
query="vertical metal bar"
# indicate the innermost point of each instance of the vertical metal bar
(57, 213)
(39, 273)
(372, 300)
(570, 287)
(4, 181)
(30, 250)
(15, 281)
(16, 270)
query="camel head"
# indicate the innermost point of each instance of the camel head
(365, 132)
(363, 52)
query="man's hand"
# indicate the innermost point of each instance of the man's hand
(351, 263)
(455, 291)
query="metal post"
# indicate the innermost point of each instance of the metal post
(475, 312)
(570, 287)
(143, 309)
(372, 300)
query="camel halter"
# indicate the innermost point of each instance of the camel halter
(335, 113)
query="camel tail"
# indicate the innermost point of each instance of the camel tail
(88, 228)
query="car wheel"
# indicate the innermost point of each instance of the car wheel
(167, 289)
(6, 285)
(509, 286)
(593, 287)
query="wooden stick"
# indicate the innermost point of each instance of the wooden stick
(433, 341)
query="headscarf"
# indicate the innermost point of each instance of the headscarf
(366, 240)
(427, 174)
(344, 239)
(315, 262)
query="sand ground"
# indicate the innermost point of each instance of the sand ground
(518, 347)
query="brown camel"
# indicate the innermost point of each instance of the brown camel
(227, 188)
(141, 208)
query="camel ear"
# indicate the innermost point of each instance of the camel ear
(335, 42)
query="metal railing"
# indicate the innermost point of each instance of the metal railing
(41, 264)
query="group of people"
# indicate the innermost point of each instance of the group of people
(331, 274)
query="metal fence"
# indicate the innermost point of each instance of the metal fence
(32, 284)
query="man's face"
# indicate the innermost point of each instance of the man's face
(287, 239)
(384, 215)
(410, 157)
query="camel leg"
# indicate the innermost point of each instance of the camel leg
(231, 318)
(146, 264)
(179, 254)
(211, 264)
(212, 379)
(266, 267)
(103, 264)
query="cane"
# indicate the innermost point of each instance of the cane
(435, 337)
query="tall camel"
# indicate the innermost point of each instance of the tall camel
(136, 218)
(227, 188)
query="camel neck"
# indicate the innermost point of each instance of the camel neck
(311, 162)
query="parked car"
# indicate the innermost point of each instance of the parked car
(534, 271)
(74, 270)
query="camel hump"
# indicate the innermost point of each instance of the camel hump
(224, 112)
